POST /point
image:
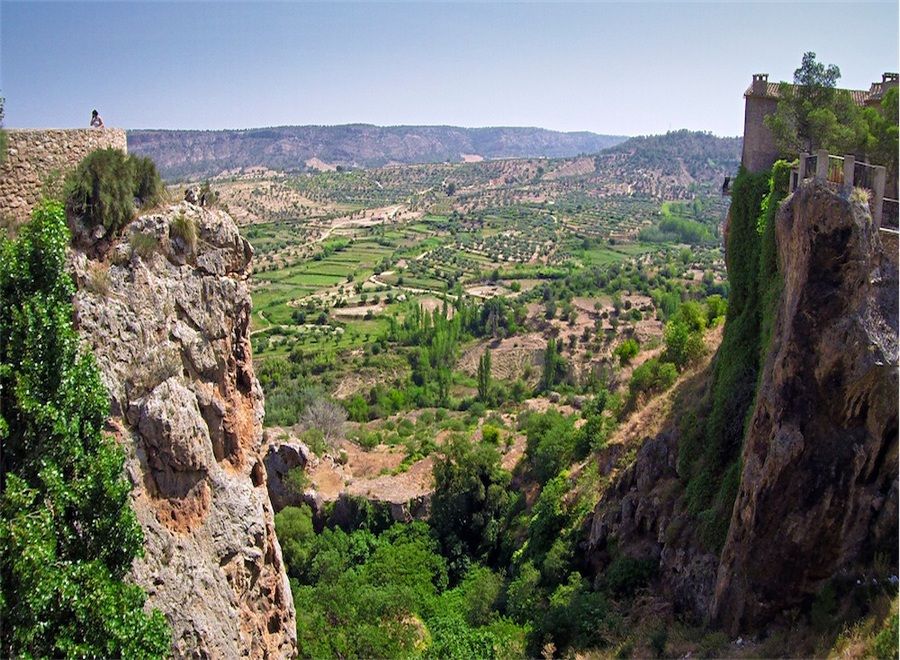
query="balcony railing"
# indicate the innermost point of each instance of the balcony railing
(847, 172)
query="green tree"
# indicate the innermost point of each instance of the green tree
(68, 535)
(484, 375)
(554, 366)
(470, 502)
(813, 114)
(627, 350)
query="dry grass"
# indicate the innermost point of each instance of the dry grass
(860, 195)
(143, 245)
(97, 280)
(184, 228)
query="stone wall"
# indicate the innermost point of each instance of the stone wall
(759, 150)
(33, 155)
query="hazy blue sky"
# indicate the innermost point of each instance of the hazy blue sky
(619, 68)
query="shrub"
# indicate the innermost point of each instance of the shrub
(627, 350)
(651, 377)
(148, 187)
(98, 279)
(100, 190)
(625, 575)
(296, 480)
(490, 434)
(143, 245)
(103, 188)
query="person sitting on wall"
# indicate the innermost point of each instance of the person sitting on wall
(96, 120)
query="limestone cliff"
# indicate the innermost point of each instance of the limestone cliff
(166, 313)
(818, 490)
(818, 494)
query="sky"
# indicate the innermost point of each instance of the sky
(616, 68)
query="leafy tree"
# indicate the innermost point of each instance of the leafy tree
(626, 350)
(551, 443)
(813, 114)
(554, 366)
(469, 504)
(295, 533)
(652, 376)
(68, 535)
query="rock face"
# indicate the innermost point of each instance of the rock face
(167, 319)
(818, 494)
(818, 491)
(644, 512)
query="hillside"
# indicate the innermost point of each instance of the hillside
(194, 154)
(656, 164)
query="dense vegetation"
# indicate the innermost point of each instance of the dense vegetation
(709, 454)
(488, 576)
(68, 535)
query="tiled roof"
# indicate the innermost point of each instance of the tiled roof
(859, 96)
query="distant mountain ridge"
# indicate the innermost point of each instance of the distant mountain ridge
(193, 154)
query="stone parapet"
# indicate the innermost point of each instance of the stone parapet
(34, 155)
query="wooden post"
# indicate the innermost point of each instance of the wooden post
(822, 165)
(878, 198)
(849, 167)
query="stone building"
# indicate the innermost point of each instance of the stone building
(761, 99)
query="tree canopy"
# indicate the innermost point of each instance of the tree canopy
(814, 114)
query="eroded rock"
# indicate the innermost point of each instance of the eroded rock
(818, 491)
(170, 333)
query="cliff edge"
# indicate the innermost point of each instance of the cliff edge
(166, 310)
(818, 491)
(817, 495)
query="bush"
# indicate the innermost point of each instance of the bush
(651, 377)
(490, 434)
(550, 444)
(143, 245)
(101, 191)
(627, 350)
(148, 187)
(625, 575)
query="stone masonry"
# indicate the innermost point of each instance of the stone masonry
(33, 155)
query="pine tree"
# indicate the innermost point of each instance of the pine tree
(68, 535)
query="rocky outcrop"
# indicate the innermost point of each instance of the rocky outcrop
(282, 458)
(642, 513)
(818, 491)
(167, 318)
